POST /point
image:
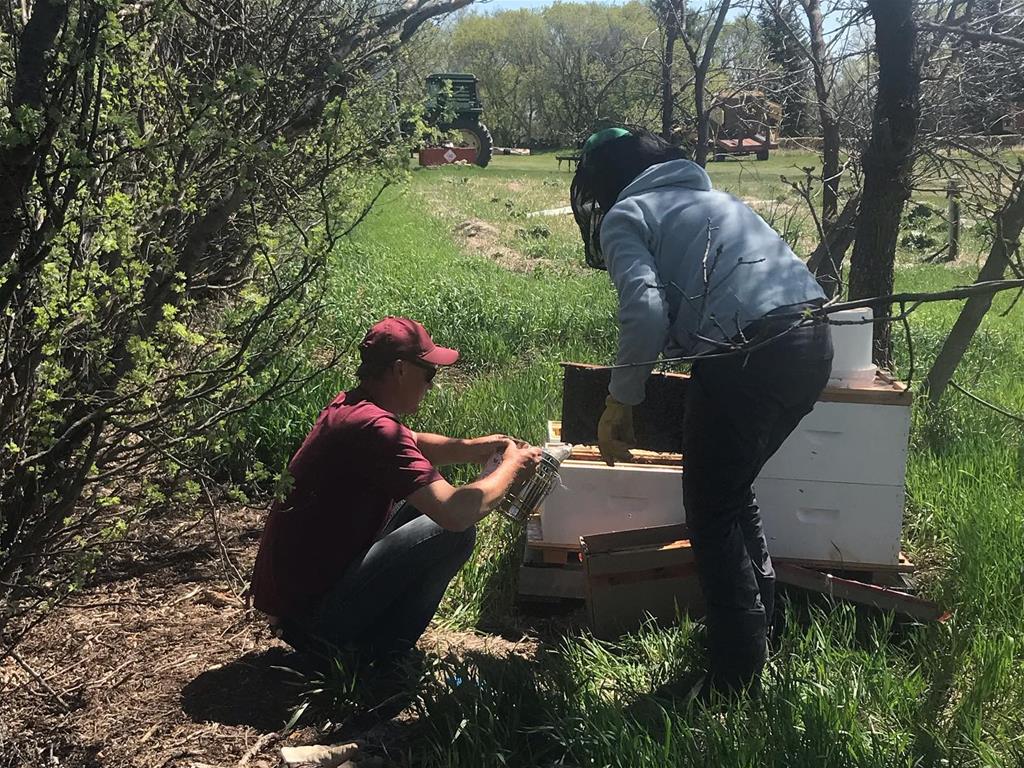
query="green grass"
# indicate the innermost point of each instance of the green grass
(842, 689)
(512, 186)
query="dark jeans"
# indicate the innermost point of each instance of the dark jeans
(389, 593)
(739, 410)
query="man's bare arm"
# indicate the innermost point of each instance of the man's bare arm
(458, 508)
(442, 451)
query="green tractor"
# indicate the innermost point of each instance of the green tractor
(454, 106)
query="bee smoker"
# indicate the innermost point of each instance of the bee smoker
(522, 500)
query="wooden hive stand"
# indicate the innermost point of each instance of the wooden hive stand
(624, 577)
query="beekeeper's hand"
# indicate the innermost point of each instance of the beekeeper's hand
(525, 459)
(480, 449)
(522, 454)
(615, 432)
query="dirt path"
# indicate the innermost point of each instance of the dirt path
(138, 657)
(161, 665)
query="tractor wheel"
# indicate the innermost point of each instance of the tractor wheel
(478, 137)
(762, 154)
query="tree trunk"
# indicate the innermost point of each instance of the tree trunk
(829, 124)
(827, 260)
(19, 160)
(1009, 222)
(700, 76)
(529, 122)
(888, 160)
(829, 171)
(667, 97)
(700, 152)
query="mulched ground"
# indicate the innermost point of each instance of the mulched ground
(160, 664)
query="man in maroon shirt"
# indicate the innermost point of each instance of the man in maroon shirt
(342, 559)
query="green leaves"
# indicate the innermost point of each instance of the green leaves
(244, 80)
(186, 184)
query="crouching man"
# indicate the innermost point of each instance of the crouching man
(341, 560)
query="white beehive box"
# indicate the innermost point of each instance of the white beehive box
(834, 491)
(596, 498)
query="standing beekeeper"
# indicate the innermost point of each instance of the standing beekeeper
(697, 272)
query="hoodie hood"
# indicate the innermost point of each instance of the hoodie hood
(674, 173)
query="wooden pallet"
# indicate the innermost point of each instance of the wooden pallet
(626, 576)
(554, 571)
(552, 583)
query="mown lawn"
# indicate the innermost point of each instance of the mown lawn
(842, 689)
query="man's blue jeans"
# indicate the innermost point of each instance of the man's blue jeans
(389, 593)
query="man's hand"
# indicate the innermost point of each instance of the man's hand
(523, 456)
(456, 509)
(615, 432)
(482, 448)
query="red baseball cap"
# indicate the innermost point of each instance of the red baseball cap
(398, 338)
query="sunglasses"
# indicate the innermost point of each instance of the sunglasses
(429, 370)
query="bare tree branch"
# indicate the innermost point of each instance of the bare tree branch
(974, 34)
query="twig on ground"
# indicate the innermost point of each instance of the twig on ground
(186, 596)
(225, 556)
(39, 679)
(261, 742)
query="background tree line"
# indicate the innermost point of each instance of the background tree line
(549, 75)
(897, 95)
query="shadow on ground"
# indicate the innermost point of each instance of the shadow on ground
(259, 689)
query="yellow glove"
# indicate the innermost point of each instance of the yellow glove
(615, 432)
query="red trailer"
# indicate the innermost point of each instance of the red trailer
(744, 123)
(756, 145)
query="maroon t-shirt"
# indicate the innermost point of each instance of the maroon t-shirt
(356, 462)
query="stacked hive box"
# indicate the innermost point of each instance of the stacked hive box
(833, 493)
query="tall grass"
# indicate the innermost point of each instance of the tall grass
(842, 688)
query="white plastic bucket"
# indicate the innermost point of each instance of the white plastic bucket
(851, 342)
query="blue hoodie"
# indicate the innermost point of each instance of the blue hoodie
(673, 298)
